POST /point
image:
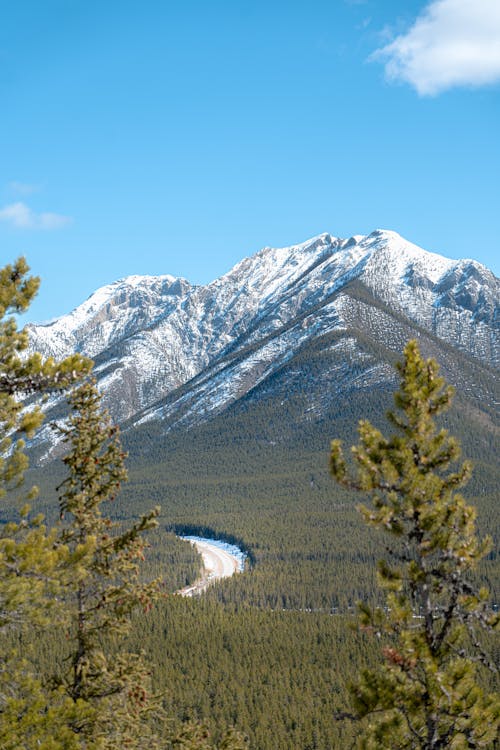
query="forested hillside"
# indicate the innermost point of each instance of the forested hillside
(270, 650)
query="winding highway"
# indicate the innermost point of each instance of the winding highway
(217, 563)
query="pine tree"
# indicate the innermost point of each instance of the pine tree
(83, 574)
(24, 375)
(30, 715)
(105, 588)
(103, 592)
(197, 737)
(427, 694)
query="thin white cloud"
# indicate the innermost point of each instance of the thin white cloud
(49, 220)
(21, 216)
(452, 43)
(23, 188)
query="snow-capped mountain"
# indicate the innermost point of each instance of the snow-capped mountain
(167, 350)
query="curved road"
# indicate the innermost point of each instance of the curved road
(218, 564)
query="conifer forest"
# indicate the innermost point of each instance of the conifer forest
(367, 612)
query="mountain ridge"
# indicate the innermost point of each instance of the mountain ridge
(160, 343)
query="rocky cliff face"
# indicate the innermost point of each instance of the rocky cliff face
(167, 350)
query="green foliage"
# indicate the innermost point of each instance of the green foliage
(105, 590)
(104, 586)
(257, 475)
(428, 694)
(194, 736)
(275, 676)
(29, 559)
(23, 375)
(33, 717)
(84, 573)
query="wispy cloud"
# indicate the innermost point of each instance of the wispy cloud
(23, 188)
(21, 216)
(452, 43)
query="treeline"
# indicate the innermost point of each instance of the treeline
(273, 496)
(269, 650)
(267, 488)
(277, 677)
(236, 656)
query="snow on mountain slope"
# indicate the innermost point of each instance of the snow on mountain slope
(167, 350)
(111, 313)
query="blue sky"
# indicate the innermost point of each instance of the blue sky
(179, 137)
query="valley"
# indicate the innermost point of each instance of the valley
(217, 563)
(250, 375)
(227, 397)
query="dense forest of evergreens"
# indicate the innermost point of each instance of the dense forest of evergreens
(269, 651)
(237, 656)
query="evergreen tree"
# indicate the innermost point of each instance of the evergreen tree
(84, 574)
(197, 737)
(23, 375)
(105, 588)
(427, 694)
(30, 715)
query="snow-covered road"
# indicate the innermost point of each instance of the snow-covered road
(219, 563)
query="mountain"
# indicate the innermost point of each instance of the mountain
(323, 317)
(228, 395)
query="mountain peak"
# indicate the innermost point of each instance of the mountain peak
(389, 234)
(136, 280)
(197, 349)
